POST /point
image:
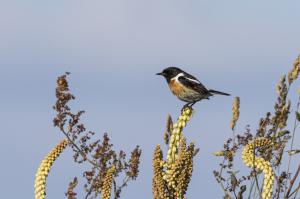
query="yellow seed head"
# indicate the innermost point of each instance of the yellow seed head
(158, 181)
(261, 164)
(294, 72)
(172, 177)
(44, 168)
(235, 112)
(176, 134)
(107, 183)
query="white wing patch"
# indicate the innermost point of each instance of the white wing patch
(182, 75)
(193, 80)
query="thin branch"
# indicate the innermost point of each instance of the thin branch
(251, 188)
(235, 194)
(89, 192)
(84, 156)
(257, 185)
(119, 189)
(233, 145)
(255, 172)
(296, 191)
(292, 143)
(220, 174)
(115, 187)
(292, 182)
(277, 187)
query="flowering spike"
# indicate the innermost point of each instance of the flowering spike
(257, 162)
(44, 168)
(107, 183)
(235, 112)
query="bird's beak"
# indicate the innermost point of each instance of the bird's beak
(160, 74)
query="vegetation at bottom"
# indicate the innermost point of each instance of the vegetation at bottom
(268, 153)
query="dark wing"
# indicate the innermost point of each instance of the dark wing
(191, 82)
(190, 76)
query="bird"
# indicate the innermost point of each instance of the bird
(186, 87)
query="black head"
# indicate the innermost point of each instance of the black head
(170, 72)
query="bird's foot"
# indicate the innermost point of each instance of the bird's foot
(188, 105)
(192, 104)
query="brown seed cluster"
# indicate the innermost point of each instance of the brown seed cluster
(88, 148)
(282, 107)
(70, 192)
(134, 163)
(44, 169)
(106, 158)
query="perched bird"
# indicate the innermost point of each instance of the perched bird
(186, 87)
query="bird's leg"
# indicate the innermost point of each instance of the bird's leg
(191, 104)
(187, 105)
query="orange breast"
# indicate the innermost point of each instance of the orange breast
(176, 88)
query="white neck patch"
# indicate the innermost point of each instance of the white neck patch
(177, 76)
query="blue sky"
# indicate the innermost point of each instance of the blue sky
(113, 49)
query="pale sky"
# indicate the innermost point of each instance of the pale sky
(113, 50)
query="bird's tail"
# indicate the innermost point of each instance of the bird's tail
(217, 92)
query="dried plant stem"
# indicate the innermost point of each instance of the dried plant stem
(88, 193)
(255, 172)
(251, 188)
(235, 194)
(296, 191)
(118, 189)
(221, 171)
(292, 183)
(278, 188)
(233, 138)
(294, 128)
(257, 184)
(292, 144)
(233, 144)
